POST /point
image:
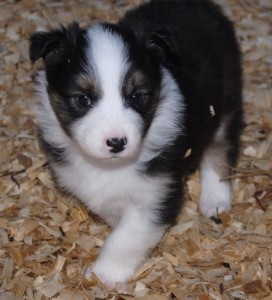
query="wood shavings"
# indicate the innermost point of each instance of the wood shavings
(4, 237)
(51, 231)
(124, 288)
(86, 242)
(47, 239)
(18, 256)
(67, 294)
(181, 228)
(171, 258)
(24, 229)
(72, 270)
(188, 153)
(151, 297)
(238, 295)
(250, 151)
(60, 263)
(140, 289)
(7, 296)
(212, 111)
(146, 266)
(50, 289)
(42, 253)
(7, 270)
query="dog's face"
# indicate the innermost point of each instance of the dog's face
(103, 87)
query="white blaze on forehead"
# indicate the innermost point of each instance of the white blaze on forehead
(108, 58)
(109, 118)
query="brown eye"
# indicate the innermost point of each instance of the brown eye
(84, 101)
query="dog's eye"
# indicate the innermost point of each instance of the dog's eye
(139, 97)
(84, 101)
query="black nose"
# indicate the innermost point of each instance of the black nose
(116, 144)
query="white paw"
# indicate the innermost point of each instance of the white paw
(215, 194)
(110, 272)
(214, 201)
(212, 207)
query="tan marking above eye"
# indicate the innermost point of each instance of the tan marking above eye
(87, 82)
(133, 81)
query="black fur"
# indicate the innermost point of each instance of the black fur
(200, 49)
(63, 53)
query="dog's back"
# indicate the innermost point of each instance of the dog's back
(204, 57)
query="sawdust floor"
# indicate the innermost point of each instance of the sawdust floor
(46, 239)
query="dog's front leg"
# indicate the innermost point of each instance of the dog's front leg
(127, 247)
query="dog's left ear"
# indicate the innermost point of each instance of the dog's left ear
(162, 44)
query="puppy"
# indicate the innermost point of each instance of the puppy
(128, 110)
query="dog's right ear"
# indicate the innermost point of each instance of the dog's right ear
(43, 43)
(53, 43)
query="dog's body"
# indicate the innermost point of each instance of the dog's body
(129, 109)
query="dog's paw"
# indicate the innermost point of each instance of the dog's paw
(110, 272)
(214, 206)
(215, 200)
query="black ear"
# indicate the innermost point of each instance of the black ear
(44, 43)
(162, 43)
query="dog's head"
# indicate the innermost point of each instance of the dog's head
(103, 86)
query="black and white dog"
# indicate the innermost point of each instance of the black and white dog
(127, 110)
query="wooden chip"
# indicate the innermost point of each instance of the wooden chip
(7, 296)
(50, 289)
(86, 242)
(174, 260)
(24, 229)
(51, 231)
(253, 286)
(212, 111)
(67, 294)
(140, 289)
(60, 263)
(150, 297)
(225, 218)
(188, 153)
(181, 228)
(24, 160)
(72, 270)
(190, 246)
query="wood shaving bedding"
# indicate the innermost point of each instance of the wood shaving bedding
(47, 239)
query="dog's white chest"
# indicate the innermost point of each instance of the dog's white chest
(110, 192)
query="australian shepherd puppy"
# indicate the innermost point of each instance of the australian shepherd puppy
(127, 110)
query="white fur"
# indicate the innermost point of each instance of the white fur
(109, 192)
(127, 247)
(46, 116)
(125, 200)
(114, 190)
(215, 194)
(167, 121)
(109, 119)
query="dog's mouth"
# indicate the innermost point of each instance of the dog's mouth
(118, 157)
(121, 159)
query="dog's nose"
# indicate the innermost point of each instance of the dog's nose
(117, 145)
